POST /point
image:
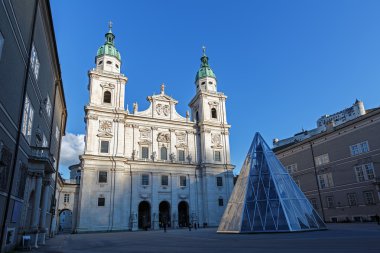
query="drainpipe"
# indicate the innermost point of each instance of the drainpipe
(316, 179)
(17, 144)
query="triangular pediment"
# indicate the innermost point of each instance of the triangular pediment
(266, 199)
(104, 135)
(162, 97)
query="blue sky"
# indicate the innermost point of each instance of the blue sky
(282, 64)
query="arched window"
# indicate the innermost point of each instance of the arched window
(107, 97)
(213, 113)
(164, 153)
(197, 117)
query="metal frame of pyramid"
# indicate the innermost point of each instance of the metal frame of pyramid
(266, 199)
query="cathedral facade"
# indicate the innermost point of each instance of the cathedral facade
(144, 169)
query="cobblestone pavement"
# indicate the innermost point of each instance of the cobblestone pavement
(339, 238)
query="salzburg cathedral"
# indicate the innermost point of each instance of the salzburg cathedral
(148, 168)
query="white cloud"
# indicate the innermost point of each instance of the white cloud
(72, 146)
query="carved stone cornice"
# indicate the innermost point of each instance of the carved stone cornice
(121, 120)
(146, 142)
(92, 116)
(107, 85)
(181, 145)
(104, 135)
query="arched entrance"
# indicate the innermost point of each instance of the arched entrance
(183, 214)
(144, 215)
(65, 220)
(164, 214)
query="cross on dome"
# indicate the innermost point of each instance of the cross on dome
(204, 50)
(110, 25)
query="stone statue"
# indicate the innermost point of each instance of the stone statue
(135, 107)
(172, 157)
(162, 88)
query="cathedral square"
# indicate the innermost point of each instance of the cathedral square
(131, 135)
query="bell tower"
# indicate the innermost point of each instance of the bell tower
(209, 112)
(107, 84)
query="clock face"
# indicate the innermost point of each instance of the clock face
(105, 126)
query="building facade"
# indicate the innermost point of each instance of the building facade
(142, 169)
(32, 121)
(339, 168)
(67, 194)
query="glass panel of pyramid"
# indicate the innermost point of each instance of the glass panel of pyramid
(266, 199)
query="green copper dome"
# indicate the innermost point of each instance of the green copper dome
(109, 47)
(205, 70)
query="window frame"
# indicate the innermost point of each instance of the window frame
(101, 176)
(182, 179)
(220, 201)
(142, 153)
(325, 180)
(359, 148)
(103, 199)
(330, 201)
(219, 181)
(219, 156)
(214, 113)
(322, 159)
(352, 199)
(48, 106)
(314, 203)
(162, 180)
(292, 168)
(101, 146)
(365, 196)
(179, 156)
(66, 198)
(364, 172)
(110, 97)
(27, 119)
(34, 62)
(164, 156)
(145, 182)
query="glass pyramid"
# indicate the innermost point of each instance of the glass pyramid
(266, 199)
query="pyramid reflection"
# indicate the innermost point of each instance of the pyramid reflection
(266, 199)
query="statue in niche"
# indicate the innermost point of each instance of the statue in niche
(189, 158)
(153, 156)
(172, 157)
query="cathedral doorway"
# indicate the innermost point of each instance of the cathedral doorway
(164, 215)
(183, 214)
(144, 215)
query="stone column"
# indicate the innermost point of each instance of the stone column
(45, 194)
(36, 207)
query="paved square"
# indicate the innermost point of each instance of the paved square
(339, 238)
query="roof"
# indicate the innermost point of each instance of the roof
(369, 113)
